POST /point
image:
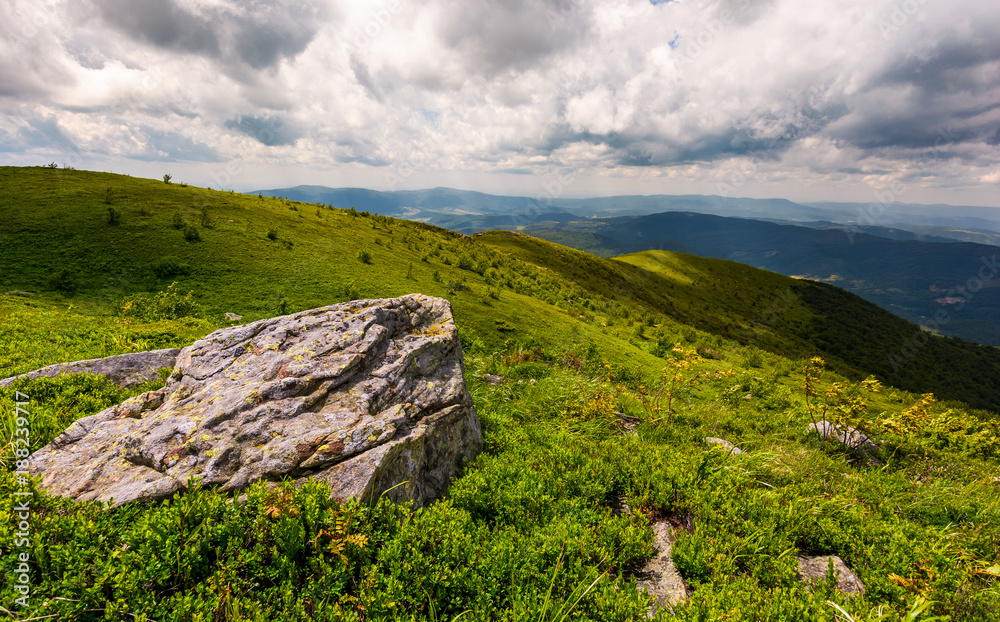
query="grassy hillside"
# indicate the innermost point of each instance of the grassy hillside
(790, 317)
(914, 279)
(258, 257)
(615, 372)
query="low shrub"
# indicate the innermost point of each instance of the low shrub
(64, 281)
(167, 267)
(168, 304)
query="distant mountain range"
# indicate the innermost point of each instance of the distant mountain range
(470, 212)
(918, 261)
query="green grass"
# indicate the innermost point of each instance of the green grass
(529, 530)
(536, 509)
(42, 330)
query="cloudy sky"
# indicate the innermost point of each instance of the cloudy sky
(820, 100)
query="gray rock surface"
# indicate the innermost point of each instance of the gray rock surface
(659, 575)
(814, 569)
(126, 370)
(364, 395)
(849, 437)
(729, 447)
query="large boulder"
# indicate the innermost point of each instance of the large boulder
(368, 396)
(126, 370)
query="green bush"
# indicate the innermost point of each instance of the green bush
(168, 304)
(191, 233)
(177, 222)
(272, 234)
(364, 256)
(534, 370)
(752, 356)
(64, 281)
(114, 216)
(167, 267)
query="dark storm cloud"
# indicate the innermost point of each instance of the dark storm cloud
(272, 31)
(175, 147)
(46, 133)
(711, 147)
(949, 66)
(364, 78)
(995, 139)
(161, 23)
(918, 129)
(632, 157)
(360, 151)
(929, 96)
(562, 135)
(742, 12)
(653, 150)
(268, 130)
(14, 82)
(513, 35)
(257, 33)
(28, 67)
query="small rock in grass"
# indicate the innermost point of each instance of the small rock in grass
(732, 449)
(125, 370)
(849, 437)
(814, 569)
(659, 576)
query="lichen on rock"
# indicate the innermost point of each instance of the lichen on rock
(361, 395)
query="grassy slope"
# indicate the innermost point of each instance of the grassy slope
(904, 276)
(56, 218)
(537, 507)
(777, 313)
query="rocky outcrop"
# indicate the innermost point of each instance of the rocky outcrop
(659, 576)
(126, 370)
(814, 570)
(851, 438)
(368, 396)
